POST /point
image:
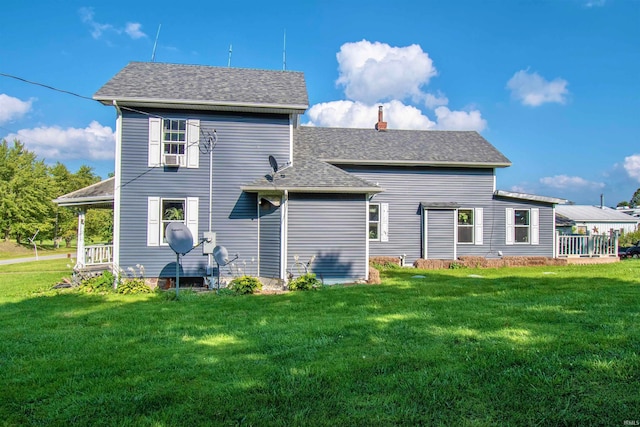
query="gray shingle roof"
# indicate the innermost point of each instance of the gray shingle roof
(399, 147)
(197, 84)
(309, 175)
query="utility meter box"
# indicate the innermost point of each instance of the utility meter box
(209, 242)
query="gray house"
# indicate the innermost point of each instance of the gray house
(193, 146)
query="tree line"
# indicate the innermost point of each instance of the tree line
(27, 189)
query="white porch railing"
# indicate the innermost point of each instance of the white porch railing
(587, 246)
(98, 254)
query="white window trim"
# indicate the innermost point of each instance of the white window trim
(534, 226)
(383, 222)
(369, 222)
(162, 223)
(477, 227)
(155, 222)
(191, 158)
(471, 226)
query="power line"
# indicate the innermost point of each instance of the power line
(46, 86)
(68, 92)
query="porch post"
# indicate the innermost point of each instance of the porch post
(80, 245)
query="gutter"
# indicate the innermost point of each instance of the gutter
(110, 100)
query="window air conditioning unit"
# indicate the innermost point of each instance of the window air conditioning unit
(172, 160)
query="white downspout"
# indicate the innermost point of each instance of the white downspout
(116, 192)
(284, 235)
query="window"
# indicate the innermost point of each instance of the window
(174, 136)
(161, 212)
(374, 222)
(523, 226)
(174, 142)
(465, 225)
(173, 210)
(521, 223)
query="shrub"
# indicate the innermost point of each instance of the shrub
(306, 282)
(133, 286)
(456, 265)
(629, 239)
(245, 285)
(101, 283)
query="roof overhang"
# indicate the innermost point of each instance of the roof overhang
(88, 202)
(203, 105)
(530, 197)
(415, 163)
(310, 189)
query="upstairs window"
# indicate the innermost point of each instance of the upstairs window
(174, 136)
(174, 142)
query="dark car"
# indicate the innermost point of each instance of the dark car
(633, 251)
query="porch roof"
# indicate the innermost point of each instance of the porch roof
(312, 176)
(98, 195)
(530, 197)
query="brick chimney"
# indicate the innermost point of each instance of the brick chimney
(381, 125)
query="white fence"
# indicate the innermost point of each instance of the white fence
(98, 254)
(594, 246)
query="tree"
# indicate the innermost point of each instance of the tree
(623, 204)
(635, 199)
(25, 192)
(67, 221)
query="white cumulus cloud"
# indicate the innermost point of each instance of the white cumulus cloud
(95, 142)
(534, 90)
(460, 120)
(570, 182)
(372, 72)
(12, 108)
(132, 29)
(632, 166)
(353, 114)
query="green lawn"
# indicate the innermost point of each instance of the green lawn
(521, 346)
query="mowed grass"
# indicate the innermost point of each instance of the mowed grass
(519, 346)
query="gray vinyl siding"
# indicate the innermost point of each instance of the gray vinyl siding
(440, 234)
(333, 229)
(546, 234)
(405, 188)
(269, 240)
(244, 143)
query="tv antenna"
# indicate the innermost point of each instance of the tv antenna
(230, 51)
(284, 51)
(181, 242)
(155, 44)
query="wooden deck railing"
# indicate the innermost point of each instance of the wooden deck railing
(98, 254)
(587, 246)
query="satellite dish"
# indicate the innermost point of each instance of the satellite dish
(179, 237)
(221, 255)
(274, 164)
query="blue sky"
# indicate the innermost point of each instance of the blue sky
(554, 85)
